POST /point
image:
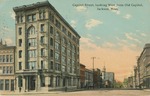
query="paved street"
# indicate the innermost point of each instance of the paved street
(88, 93)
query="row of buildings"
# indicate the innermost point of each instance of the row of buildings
(141, 76)
(46, 55)
(96, 78)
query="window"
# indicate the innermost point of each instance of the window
(29, 18)
(7, 84)
(64, 50)
(20, 42)
(58, 25)
(32, 42)
(3, 58)
(69, 34)
(52, 64)
(51, 41)
(11, 69)
(42, 39)
(51, 16)
(42, 81)
(33, 17)
(42, 52)
(20, 54)
(42, 15)
(4, 70)
(63, 60)
(57, 46)
(7, 69)
(31, 31)
(42, 65)
(20, 19)
(20, 65)
(32, 53)
(7, 58)
(57, 67)
(51, 30)
(51, 53)
(63, 68)
(64, 41)
(57, 57)
(64, 29)
(1, 84)
(12, 85)
(42, 27)
(19, 81)
(20, 31)
(32, 65)
(57, 81)
(11, 58)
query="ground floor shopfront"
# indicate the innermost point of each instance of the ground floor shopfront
(40, 82)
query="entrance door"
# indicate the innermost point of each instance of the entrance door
(31, 83)
(64, 82)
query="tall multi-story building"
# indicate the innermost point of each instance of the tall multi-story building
(7, 62)
(47, 49)
(143, 64)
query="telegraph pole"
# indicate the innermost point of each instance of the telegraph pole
(93, 70)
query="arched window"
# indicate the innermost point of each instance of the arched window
(31, 30)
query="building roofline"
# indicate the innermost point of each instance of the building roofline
(41, 4)
(145, 47)
(7, 47)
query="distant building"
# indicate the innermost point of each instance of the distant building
(143, 64)
(7, 62)
(136, 77)
(97, 78)
(130, 82)
(108, 78)
(47, 49)
(82, 75)
(88, 78)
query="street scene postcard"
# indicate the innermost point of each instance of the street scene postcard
(74, 47)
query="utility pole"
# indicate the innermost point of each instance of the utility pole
(93, 70)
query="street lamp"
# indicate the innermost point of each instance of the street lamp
(93, 70)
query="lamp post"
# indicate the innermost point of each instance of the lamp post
(93, 70)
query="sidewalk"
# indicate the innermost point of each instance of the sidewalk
(29, 93)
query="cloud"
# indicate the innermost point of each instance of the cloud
(81, 8)
(73, 23)
(112, 8)
(108, 45)
(92, 23)
(98, 38)
(12, 14)
(9, 41)
(127, 16)
(128, 36)
(87, 43)
(143, 34)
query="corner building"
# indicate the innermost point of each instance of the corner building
(47, 49)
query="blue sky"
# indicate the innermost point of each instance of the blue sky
(114, 37)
